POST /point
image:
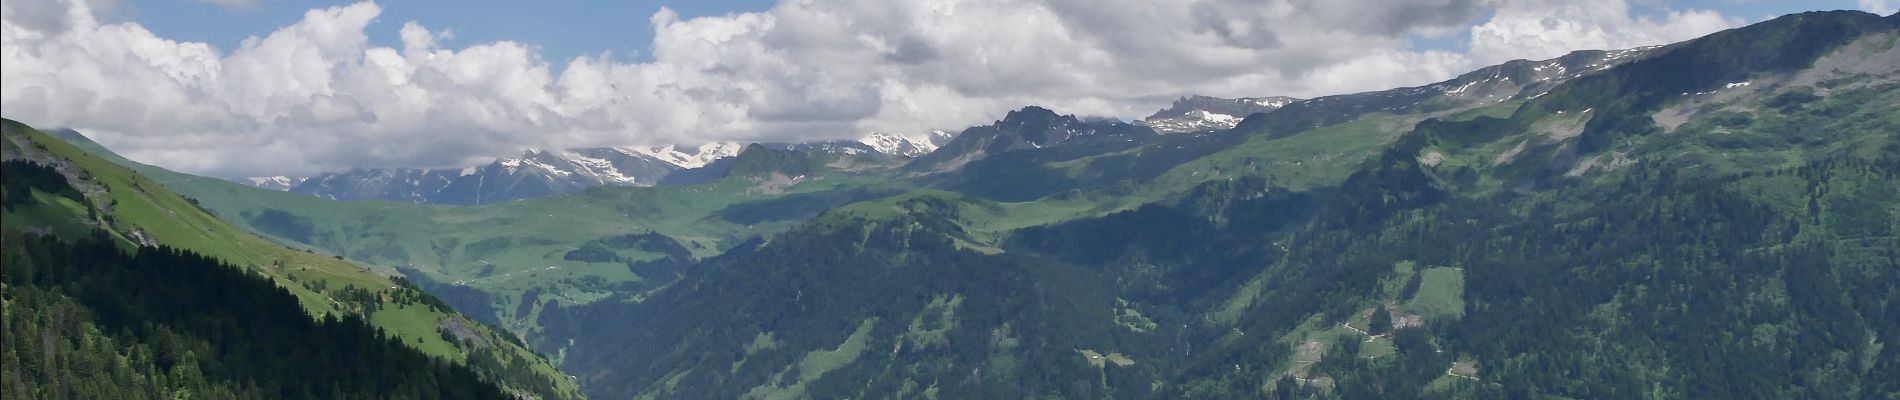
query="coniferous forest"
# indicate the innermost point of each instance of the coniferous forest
(87, 320)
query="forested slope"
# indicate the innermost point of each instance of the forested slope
(65, 192)
(86, 320)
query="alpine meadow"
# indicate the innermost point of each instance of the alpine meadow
(773, 204)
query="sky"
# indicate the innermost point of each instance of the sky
(235, 88)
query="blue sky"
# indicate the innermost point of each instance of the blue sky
(1756, 10)
(562, 29)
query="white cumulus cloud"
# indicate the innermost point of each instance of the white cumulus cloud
(318, 95)
(1545, 28)
(1882, 7)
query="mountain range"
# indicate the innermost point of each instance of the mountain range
(1715, 218)
(537, 173)
(542, 173)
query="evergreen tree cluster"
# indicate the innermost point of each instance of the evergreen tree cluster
(23, 177)
(88, 320)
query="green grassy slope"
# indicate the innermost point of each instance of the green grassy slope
(137, 209)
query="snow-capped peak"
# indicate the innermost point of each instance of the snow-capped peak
(1202, 113)
(279, 182)
(269, 180)
(687, 156)
(899, 145)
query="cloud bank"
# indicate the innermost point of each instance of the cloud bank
(317, 95)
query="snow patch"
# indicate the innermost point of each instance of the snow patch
(279, 182)
(1275, 102)
(597, 167)
(1216, 118)
(898, 145)
(687, 157)
(1461, 89)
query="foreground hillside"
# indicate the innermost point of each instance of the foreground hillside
(85, 320)
(60, 190)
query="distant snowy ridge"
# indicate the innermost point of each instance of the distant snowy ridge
(279, 182)
(1203, 113)
(901, 145)
(685, 156)
(541, 173)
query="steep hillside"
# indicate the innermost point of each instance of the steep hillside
(86, 320)
(136, 211)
